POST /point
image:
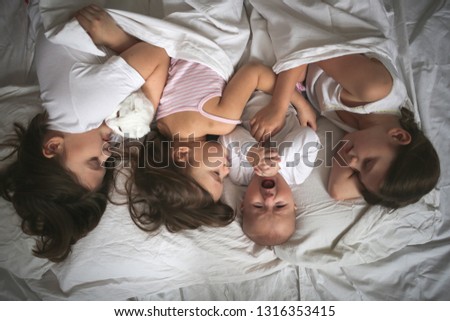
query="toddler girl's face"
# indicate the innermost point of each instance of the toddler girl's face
(209, 167)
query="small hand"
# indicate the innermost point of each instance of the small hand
(265, 161)
(100, 26)
(268, 121)
(305, 113)
(267, 171)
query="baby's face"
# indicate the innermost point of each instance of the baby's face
(268, 210)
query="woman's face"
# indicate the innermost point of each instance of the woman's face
(370, 153)
(209, 167)
(85, 155)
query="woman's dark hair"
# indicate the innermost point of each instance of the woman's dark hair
(414, 172)
(162, 193)
(53, 205)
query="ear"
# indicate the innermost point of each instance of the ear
(180, 153)
(53, 147)
(401, 136)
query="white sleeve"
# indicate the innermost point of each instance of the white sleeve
(298, 155)
(97, 90)
(79, 90)
(237, 144)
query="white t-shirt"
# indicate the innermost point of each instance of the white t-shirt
(324, 94)
(298, 146)
(80, 90)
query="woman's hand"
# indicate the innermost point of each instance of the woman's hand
(305, 112)
(307, 117)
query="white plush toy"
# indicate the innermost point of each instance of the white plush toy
(133, 117)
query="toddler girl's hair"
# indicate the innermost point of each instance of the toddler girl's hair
(51, 203)
(414, 172)
(162, 193)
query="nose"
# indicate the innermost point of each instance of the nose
(105, 152)
(268, 194)
(225, 170)
(353, 162)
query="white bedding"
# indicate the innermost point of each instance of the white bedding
(341, 250)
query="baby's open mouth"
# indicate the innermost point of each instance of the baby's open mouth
(268, 183)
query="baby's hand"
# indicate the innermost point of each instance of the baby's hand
(265, 161)
(100, 26)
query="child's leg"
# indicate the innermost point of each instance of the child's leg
(103, 30)
(363, 79)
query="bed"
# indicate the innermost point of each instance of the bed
(340, 251)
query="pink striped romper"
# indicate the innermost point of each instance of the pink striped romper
(189, 86)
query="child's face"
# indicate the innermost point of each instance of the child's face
(209, 167)
(84, 154)
(370, 153)
(268, 208)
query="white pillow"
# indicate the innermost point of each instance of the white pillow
(351, 232)
(16, 247)
(17, 104)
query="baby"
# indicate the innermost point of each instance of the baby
(270, 170)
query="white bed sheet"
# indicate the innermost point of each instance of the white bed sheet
(414, 272)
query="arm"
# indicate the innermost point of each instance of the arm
(152, 63)
(305, 112)
(250, 77)
(270, 119)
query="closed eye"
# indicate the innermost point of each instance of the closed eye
(280, 205)
(94, 163)
(216, 176)
(368, 164)
(257, 205)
